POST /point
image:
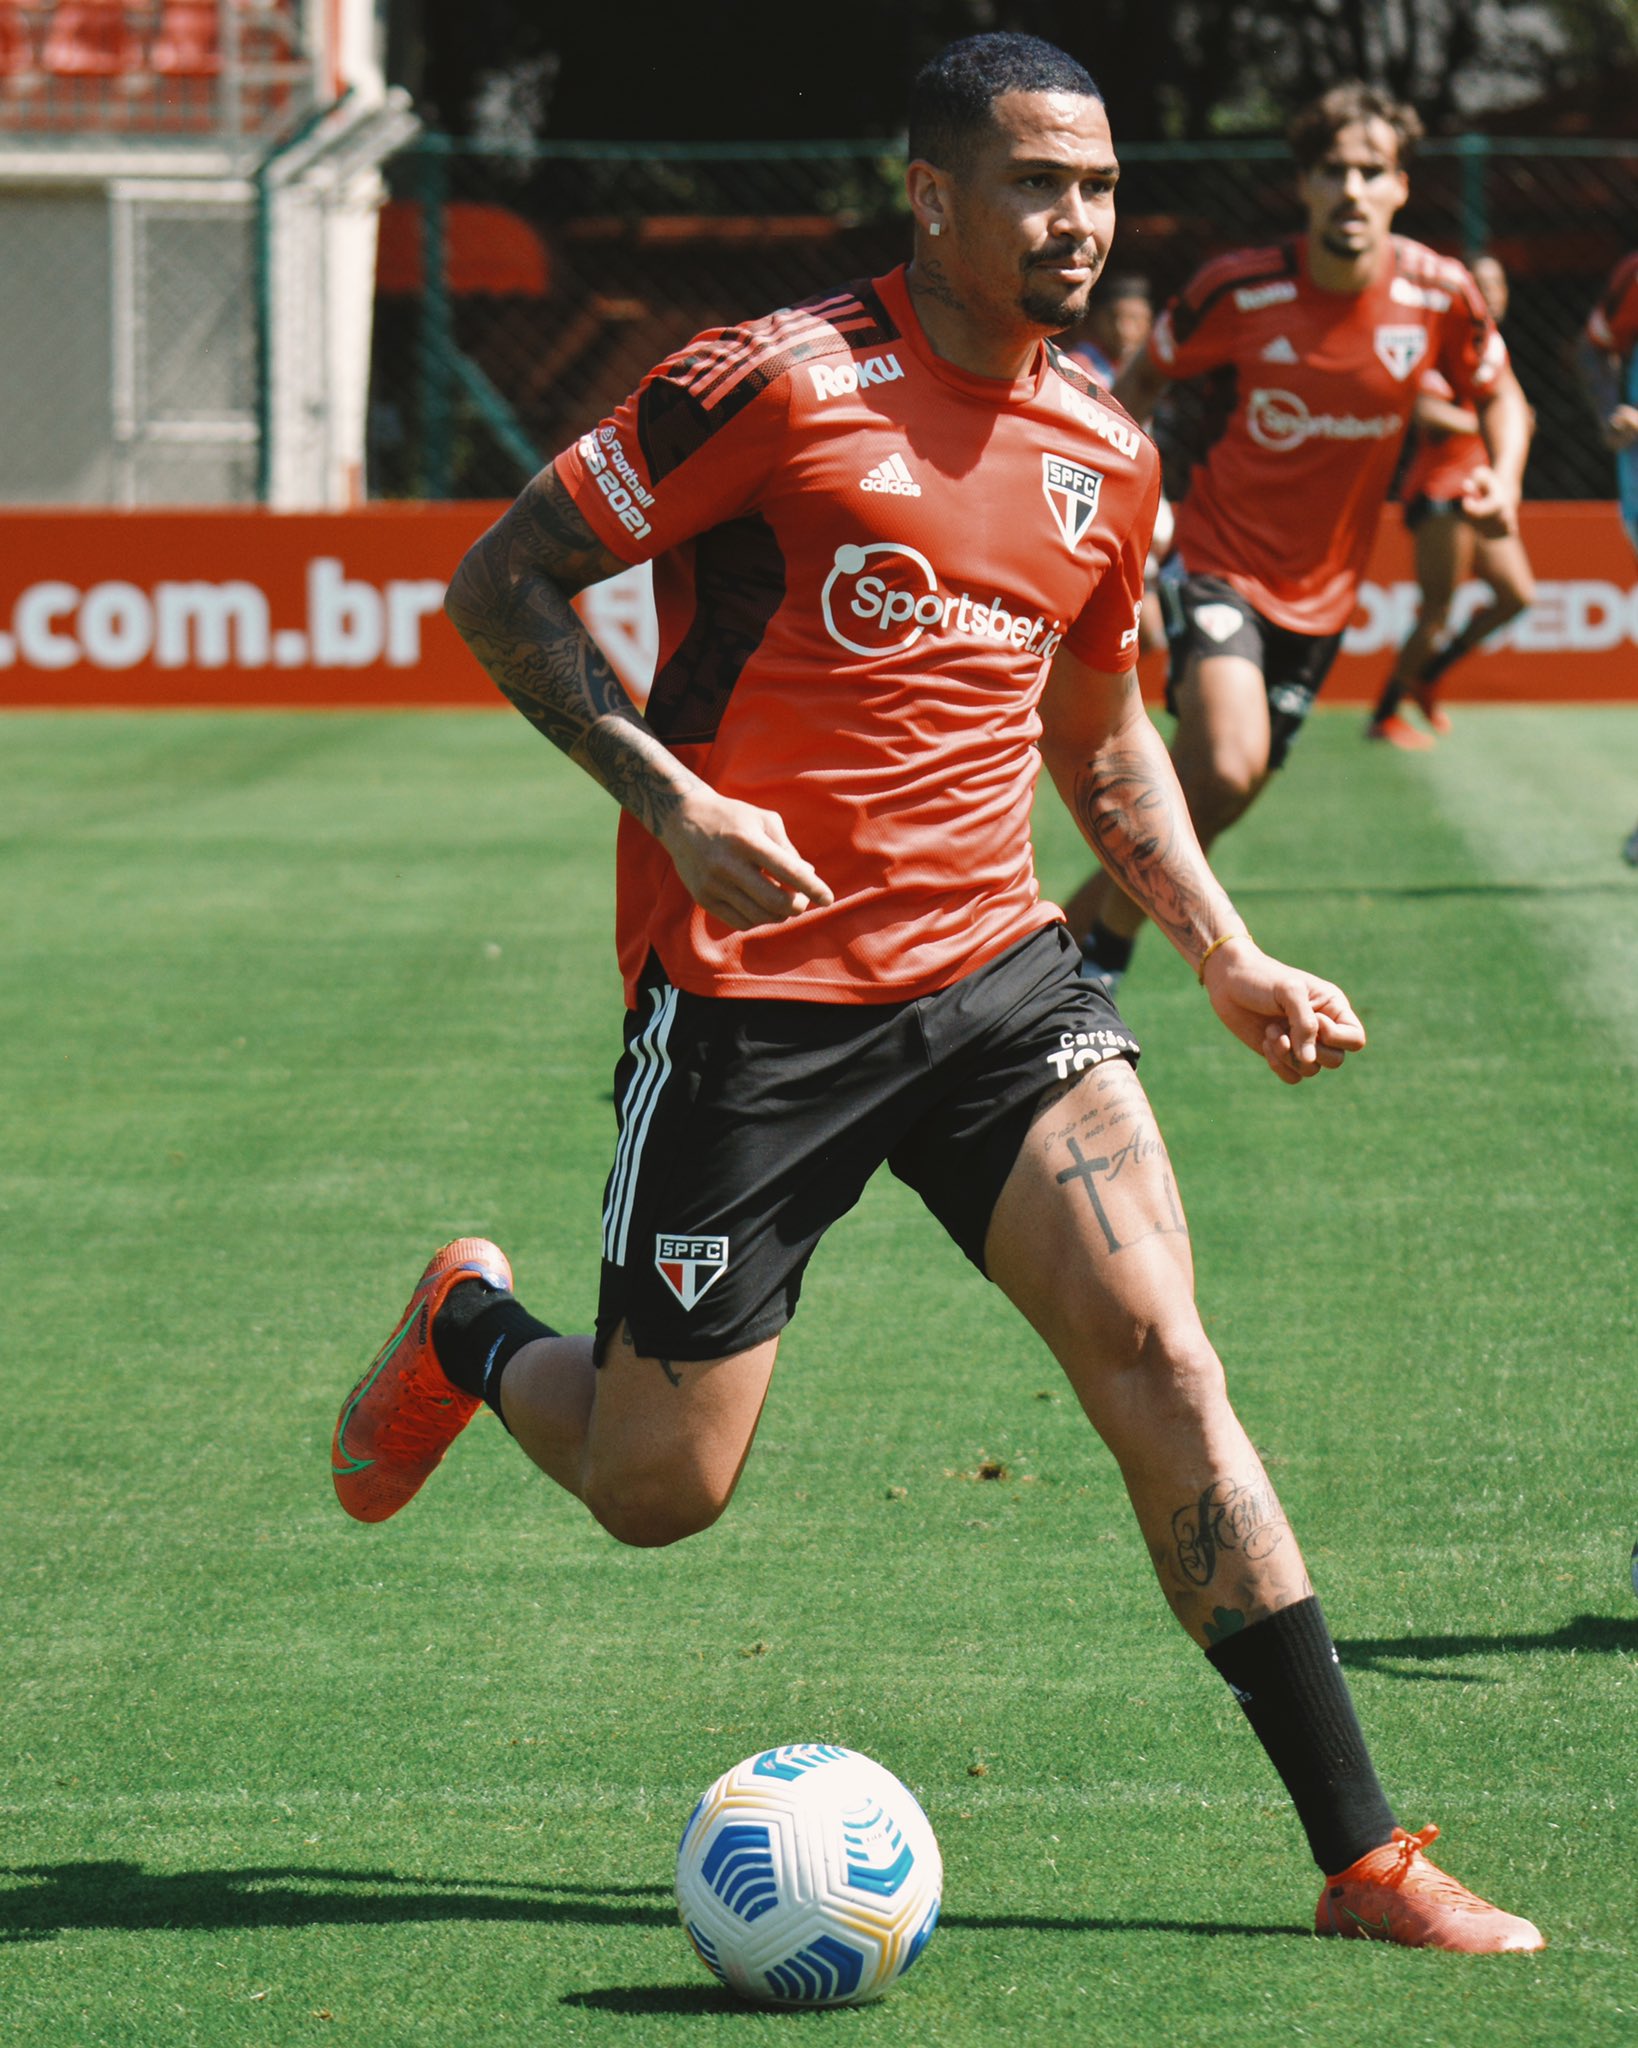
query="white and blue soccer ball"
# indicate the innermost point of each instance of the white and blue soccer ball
(808, 1875)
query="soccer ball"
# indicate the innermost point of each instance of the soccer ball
(808, 1875)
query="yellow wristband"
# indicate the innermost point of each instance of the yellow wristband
(1200, 971)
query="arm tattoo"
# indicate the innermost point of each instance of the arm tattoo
(509, 601)
(1137, 825)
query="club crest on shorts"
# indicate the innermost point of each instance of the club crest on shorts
(1072, 494)
(1400, 349)
(690, 1266)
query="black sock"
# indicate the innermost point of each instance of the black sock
(477, 1333)
(1107, 949)
(1388, 703)
(1447, 657)
(1285, 1674)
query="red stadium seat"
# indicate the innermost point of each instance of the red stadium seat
(16, 43)
(91, 39)
(186, 45)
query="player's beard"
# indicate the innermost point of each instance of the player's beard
(1054, 306)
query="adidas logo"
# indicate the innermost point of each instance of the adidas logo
(892, 476)
(1279, 350)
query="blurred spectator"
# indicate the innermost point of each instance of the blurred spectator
(1115, 328)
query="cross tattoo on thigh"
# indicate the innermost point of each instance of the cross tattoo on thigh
(1086, 1171)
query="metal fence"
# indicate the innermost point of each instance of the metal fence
(522, 293)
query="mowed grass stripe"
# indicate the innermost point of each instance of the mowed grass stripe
(1546, 797)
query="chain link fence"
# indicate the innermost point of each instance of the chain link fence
(521, 294)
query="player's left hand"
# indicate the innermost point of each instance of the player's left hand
(1491, 505)
(1299, 1024)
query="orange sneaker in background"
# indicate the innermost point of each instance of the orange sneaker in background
(1431, 709)
(1395, 1894)
(1398, 732)
(403, 1415)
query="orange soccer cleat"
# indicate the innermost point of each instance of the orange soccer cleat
(1427, 702)
(1395, 1894)
(403, 1415)
(1398, 732)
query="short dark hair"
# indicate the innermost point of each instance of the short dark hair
(1315, 127)
(952, 96)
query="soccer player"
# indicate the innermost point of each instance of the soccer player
(1607, 357)
(1448, 450)
(1314, 346)
(898, 543)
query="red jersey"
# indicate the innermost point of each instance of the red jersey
(1441, 464)
(864, 560)
(1314, 391)
(1613, 323)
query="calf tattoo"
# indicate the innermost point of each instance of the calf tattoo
(1228, 1518)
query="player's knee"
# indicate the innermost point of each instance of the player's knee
(1171, 1376)
(1513, 598)
(654, 1510)
(1225, 787)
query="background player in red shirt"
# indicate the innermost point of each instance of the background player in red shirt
(1314, 346)
(1607, 357)
(1447, 451)
(899, 512)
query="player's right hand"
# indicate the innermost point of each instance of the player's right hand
(737, 862)
(1299, 1024)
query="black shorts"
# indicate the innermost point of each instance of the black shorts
(1206, 616)
(1423, 507)
(748, 1126)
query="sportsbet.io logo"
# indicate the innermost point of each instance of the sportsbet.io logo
(881, 597)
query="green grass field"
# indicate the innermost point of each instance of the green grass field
(288, 1000)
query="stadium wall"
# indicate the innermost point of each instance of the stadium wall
(254, 609)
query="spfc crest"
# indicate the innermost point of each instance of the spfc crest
(1400, 349)
(1072, 493)
(690, 1265)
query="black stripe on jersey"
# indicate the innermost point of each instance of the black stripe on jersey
(1425, 267)
(1081, 379)
(1217, 395)
(739, 583)
(1280, 263)
(700, 393)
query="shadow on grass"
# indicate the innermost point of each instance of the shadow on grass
(1587, 1635)
(57, 1897)
(690, 2001)
(709, 1999)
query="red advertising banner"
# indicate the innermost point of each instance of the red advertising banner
(256, 609)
